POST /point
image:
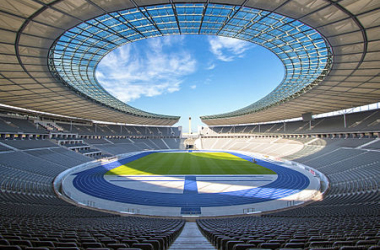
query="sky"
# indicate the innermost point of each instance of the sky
(190, 75)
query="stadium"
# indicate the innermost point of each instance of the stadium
(83, 170)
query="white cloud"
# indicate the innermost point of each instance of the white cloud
(131, 72)
(211, 66)
(193, 86)
(227, 49)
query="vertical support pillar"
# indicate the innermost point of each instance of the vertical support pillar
(344, 120)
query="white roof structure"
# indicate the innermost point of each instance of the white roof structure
(49, 51)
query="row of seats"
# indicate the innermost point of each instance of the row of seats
(10, 124)
(23, 124)
(120, 146)
(112, 130)
(87, 232)
(347, 218)
(276, 232)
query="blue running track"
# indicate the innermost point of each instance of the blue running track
(92, 182)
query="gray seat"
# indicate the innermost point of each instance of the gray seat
(144, 246)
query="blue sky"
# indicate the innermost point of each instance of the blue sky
(190, 75)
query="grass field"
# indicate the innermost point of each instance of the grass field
(190, 164)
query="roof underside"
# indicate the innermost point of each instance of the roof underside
(29, 28)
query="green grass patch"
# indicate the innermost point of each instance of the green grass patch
(190, 164)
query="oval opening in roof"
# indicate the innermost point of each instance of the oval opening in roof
(303, 51)
(190, 75)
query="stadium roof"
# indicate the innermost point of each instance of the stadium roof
(50, 50)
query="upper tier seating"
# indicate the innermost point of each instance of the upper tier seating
(355, 122)
(8, 124)
(119, 130)
(30, 144)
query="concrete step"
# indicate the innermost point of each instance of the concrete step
(191, 238)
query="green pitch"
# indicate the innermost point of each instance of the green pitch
(190, 164)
